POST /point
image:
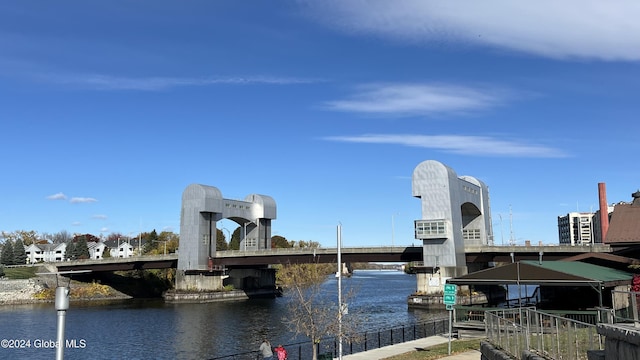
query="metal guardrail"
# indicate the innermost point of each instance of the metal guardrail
(626, 307)
(328, 347)
(550, 336)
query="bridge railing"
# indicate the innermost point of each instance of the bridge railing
(369, 340)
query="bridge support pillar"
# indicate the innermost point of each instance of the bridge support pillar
(431, 282)
(254, 282)
(198, 281)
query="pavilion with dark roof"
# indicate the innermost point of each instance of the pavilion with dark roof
(567, 285)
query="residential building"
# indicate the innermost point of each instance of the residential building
(96, 250)
(576, 228)
(120, 248)
(45, 252)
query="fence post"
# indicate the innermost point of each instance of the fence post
(365, 341)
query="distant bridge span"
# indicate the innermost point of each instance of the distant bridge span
(237, 258)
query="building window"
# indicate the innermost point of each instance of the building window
(471, 234)
(430, 229)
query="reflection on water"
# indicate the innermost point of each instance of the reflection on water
(151, 329)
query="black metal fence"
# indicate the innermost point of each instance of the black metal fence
(369, 340)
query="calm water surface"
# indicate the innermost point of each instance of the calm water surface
(151, 329)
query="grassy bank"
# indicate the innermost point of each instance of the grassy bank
(22, 272)
(439, 351)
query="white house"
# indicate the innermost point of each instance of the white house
(45, 252)
(122, 250)
(119, 248)
(96, 250)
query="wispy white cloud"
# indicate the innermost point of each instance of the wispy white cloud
(104, 229)
(108, 82)
(419, 99)
(459, 144)
(58, 196)
(589, 29)
(79, 200)
(99, 217)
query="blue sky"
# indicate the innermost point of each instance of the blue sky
(109, 110)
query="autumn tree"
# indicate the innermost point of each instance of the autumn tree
(27, 237)
(278, 241)
(61, 237)
(171, 239)
(310, 311)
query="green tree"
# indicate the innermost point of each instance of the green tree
(81, 249)
(70, 251)
(221, 241)
(234, 244)
(150, 242)
(107, 253)
(1, 271)
(7, 256)
(19, 254)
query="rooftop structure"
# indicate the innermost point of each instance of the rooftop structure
(624, 227)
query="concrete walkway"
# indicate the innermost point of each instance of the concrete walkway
(397, 349)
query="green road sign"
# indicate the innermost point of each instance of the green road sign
(450, 289)
(449, 299)
(449, 307)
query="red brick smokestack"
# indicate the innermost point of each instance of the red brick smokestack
(604, 210)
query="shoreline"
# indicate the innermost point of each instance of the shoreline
(25, 291)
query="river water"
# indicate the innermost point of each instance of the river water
(152, 329)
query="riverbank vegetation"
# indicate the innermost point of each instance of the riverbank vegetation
(78, 291)
(439, 351)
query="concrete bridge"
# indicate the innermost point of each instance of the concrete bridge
(475, 256)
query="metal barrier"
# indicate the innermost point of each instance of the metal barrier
(550, 336)
(365, 341)
(626, 306)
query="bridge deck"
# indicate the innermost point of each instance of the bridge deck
(232, 258)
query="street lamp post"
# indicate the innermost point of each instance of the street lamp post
(339, 275)
(245, 234)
